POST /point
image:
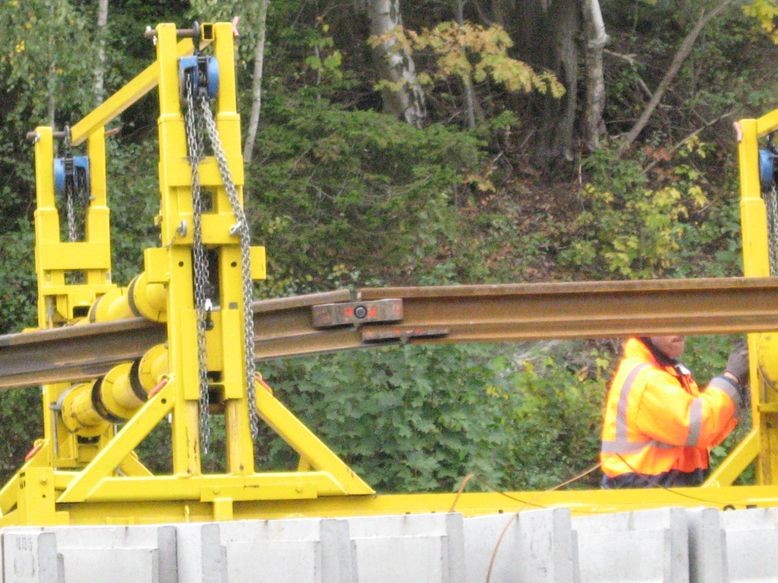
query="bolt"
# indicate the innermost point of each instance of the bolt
(360, 312)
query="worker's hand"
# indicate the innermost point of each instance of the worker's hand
(737, 365)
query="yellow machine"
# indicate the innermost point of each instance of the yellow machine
(197, 285)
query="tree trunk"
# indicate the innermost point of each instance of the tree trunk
(675, 66)
(563, 20)
(102, 23)
(405, 98)
(471, 105)
(566, 15)
(596, 40)
(256, 82)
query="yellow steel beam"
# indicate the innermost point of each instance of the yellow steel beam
(207, 488)
(767, 123)
(125, 97)
(580, 502)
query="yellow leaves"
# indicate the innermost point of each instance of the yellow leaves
(765, 13)
(470, 51)
(482, 183)
(19, 47)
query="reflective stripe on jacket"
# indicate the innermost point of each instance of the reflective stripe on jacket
(658, 422)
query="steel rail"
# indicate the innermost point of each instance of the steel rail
(480, 313)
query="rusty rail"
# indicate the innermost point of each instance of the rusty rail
(331, 321)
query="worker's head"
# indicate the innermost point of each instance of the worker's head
(670, 346)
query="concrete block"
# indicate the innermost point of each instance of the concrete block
(546, 546)
(534, 547)
(111, 565)
(650, 545)
(707, 546)
(200, 555)
(310, 550)
(273, 551)
(491, 542)
(423, 547)
(118, 554)
(751, 541)
(30, 556)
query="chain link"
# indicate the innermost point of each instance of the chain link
(70, 207)
(242, 230)
(194, 139)
(771, 202)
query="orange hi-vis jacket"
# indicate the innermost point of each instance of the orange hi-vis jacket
(659, 425)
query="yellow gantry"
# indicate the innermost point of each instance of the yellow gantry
(84, 469)
(92, 428)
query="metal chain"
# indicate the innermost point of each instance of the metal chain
(241, 229)
(771, 202)
(70, 207)
(194, 139)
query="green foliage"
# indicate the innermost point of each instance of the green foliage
(421, 418)
(344, 188)
(628, 228)
(554, 424)
(17, 278)
(406, 419)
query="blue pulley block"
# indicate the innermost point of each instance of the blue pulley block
(204, 71)
(73, 171)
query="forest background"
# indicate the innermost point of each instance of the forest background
(425, 142)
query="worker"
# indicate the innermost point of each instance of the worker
(659, 426)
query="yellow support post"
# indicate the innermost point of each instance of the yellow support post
(756, 263)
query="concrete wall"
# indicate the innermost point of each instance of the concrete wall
(668, 545)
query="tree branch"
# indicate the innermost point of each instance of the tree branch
(689, 137)
(675, 66)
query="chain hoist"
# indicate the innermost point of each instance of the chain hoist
(71, 181)
(200, 81)
(767, 178)
(203, 303)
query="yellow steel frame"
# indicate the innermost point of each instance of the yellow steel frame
(101, 480)
(67, 474)
(761, 445)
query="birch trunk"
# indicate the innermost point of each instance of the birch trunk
(256, 82)
(405, 98)
(472, 108)
(102, 23)
(596, 40)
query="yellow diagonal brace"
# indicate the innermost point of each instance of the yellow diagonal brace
(736, 462)
(132, 466)
(139, 86)
(767, 123)
(133, 432)
(304, 442)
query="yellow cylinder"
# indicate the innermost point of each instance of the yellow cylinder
(148, 299)
(139, 300)
(153, 366)
(112, 305)
(78, 412)
(88, 407)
